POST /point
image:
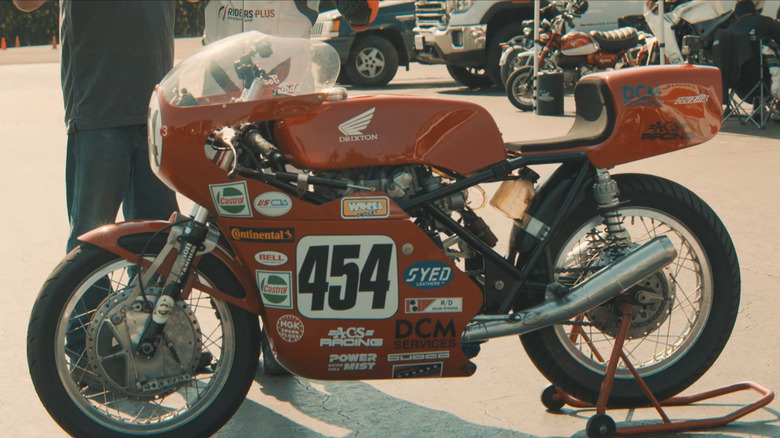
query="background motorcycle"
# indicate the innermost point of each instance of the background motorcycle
(365, 260)
(574, 53)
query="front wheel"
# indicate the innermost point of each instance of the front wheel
(520, 88)
(682, 316)
(373, 62)
(82, 339)
(471, 77)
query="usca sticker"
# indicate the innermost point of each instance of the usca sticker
(428, 275)
(273, 204)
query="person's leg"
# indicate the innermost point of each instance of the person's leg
(96, 177)
(147, 197)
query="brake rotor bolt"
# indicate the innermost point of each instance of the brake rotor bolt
(117, 318)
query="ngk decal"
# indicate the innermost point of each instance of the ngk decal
(357, 279)
(273, 204)
(275, 288)
(351, 337)
(270, 258)
(365, 207)
(231, 199)
(352, 362)
(433, 305)
(410, 357)
(290, 328)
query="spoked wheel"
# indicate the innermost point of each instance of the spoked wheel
(82, 341)
(682, 316)
(520, 88)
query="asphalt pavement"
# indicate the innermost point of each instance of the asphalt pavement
(737, 174)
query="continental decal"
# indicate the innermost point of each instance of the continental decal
(262, 234)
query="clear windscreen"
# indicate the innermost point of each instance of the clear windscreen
(252, 66)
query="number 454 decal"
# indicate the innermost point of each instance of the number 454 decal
(356, 279)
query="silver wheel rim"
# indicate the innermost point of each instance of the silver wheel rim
(370, 62)
(156, 415)
(691, 276)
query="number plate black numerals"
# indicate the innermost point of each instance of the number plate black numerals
(373, 276)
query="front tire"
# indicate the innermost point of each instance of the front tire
(520, 88)
(373, 62)
(83, 362)
(674, 337)
(470, 77)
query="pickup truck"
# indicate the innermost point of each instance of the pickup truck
(371, 58)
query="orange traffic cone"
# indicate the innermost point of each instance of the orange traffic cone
(2, 44)
(17, 41)
(54, 42)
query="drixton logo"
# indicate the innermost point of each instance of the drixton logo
(353, 128)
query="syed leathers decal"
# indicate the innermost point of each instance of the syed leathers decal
(273, 204)
(270, 258)
(434, 305)
(428, 275)
(275, 288)
(231, 199)
(365, 207)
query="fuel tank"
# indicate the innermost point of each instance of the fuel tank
(578, 44)
(392, 130)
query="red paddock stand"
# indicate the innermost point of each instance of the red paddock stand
(602, 425)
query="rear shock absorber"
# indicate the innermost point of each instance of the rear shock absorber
(607, 196)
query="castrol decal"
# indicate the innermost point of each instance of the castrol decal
(231, 199)
(275, 288)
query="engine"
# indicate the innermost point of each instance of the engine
(399, 182)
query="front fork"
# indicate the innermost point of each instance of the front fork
(196, 238)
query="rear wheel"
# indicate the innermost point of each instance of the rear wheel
(682, 316)
(520, 88)
(82, 339)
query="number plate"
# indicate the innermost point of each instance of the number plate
(356, 279)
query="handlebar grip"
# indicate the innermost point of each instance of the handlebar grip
(258, 144)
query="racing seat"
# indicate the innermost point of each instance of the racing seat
(616, 40)
(746, 86)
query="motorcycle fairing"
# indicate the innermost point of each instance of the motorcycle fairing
(109, 238)
(391, 130)
(630, 114)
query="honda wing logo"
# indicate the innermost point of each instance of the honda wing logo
(353, 128)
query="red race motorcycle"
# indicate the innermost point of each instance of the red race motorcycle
(573, 53)
(350, 240)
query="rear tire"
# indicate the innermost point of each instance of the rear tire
(678, 332)
(87, 375)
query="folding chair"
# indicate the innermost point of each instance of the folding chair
(745, 77)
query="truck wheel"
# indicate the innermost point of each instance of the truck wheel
(469, 77)
(493, 54)
(373, 62)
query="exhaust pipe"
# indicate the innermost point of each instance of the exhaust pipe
(606, 284)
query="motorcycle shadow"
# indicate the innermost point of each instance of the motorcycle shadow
(293, 406)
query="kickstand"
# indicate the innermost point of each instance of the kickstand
(602, 425)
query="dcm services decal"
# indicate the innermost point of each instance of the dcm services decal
(231, 199)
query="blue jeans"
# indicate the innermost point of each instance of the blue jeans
(106, 168)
